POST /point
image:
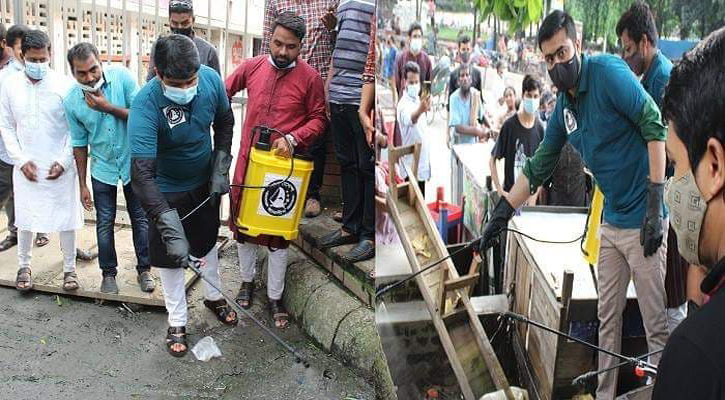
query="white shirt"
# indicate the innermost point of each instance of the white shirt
(12, 67)
(413, 133)
(34, 128)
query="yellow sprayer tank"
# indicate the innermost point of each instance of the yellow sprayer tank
(592, 238)
(275, 210)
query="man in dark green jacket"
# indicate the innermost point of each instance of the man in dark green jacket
(615, 125)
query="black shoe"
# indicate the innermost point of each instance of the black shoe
(364, 250)
(108, 285)
(146, 282)
(8, 243)
(335, 239)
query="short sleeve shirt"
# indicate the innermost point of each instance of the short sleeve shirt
(515, 144)
(460, 114)
(106, 134)
(177, 136)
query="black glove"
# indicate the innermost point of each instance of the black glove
(172, 234)
(650, 236)
(219, 175)
(498, 222)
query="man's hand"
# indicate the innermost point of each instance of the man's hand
(219, 185)
(502, 193)
(281, 148)
(30, 171)
(424, 104)
(86, 198)
(97, 101)
(482, 133)
(650, 236)
(329, 20)
(497, 224)
(172, 234)
(367, 124)
(56, 170)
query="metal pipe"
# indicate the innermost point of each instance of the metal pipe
(108, 31)
(93, 22)
(631, 360)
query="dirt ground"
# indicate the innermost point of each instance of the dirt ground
(69, 348)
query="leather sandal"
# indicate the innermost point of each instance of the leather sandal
(24, 276)
(176, 335)
(244, 297)
(222, 310)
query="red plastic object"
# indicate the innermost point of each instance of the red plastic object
(639, 372)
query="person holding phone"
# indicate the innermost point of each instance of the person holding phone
(411, 107)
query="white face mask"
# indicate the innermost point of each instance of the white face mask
(416, 45)
(93, 88)
(413, 90)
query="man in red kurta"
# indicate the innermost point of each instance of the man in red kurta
(287, 94)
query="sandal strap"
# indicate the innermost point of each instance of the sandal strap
(177, 330)
(24, 270)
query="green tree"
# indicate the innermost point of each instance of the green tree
(519, 14)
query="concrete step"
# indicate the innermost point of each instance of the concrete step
(359, 278)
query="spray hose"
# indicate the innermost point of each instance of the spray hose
(195, 266)
(267, 133)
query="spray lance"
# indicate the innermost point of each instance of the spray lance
(264, 143)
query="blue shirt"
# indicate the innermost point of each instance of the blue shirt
(107, 135)
(609, 123)
(177, 136)
(389, 63)
(460, 114)
(657, 76)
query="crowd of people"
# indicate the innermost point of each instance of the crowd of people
(604, 121)
(169, 144)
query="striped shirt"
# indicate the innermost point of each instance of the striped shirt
(317, 43)
(351, 50)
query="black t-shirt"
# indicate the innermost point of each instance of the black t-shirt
(515, 144)
(693, 363)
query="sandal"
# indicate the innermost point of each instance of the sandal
(222, 310)
(176, 335)
(244, 297)
(70, 281)
(24, 276)
(8, 243)
(41, 241)
(279, 314)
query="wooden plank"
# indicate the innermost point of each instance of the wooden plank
(47, 269)
(462, 282)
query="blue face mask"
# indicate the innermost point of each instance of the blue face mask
(36, 71)
(530, 105)
(180, 96)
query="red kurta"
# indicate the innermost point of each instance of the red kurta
(290, 100)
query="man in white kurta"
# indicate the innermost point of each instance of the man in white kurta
(37, 138)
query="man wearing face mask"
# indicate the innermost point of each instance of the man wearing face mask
(410, 109)
(176, 169)
(519, 137)
(464, 54)
(638, 33)
(181, 22)
(414, 53)
(280, 81)
(97, 111)
(693, 363)
(615, 125)
(35, 133)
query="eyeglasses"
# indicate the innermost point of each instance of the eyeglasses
(180, 5)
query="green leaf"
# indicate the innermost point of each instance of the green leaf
(535, 8)
(519, 3)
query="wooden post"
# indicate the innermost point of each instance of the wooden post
(566, 290)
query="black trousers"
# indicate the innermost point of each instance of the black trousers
(357, 165)
(317, 151)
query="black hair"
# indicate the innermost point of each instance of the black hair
(410, 66)
(694, 99)
(181, 7)
(291, 22)
(3, 32)
(402, 44)
(511, 88)
(638, 21)
(530, 83)
(82, 51)
(35, 39)
(415, 26)
(553, 23)
(15, 33)
(462, 39)
(176, 57)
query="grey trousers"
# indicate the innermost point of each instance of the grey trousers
(6, 196)
(621, 257)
